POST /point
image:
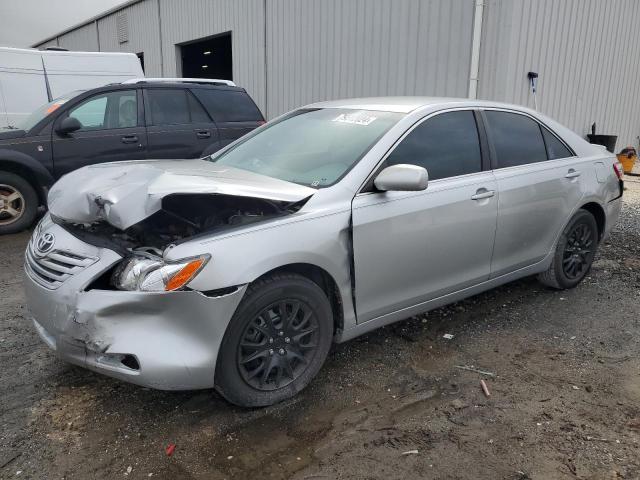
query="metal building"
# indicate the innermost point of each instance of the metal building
(287, 53)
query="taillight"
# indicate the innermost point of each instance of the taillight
(617, 167)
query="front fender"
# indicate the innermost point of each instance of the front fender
(242, 257)
(22, 161)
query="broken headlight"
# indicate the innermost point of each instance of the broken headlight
(152, 274)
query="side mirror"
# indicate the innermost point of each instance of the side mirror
(402, 178)
(68, 125)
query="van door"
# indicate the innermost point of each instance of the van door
(112, 130)
(22, 85)
(69, 71)
(177, 125)
(539, 186)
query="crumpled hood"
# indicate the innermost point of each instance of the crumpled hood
(125, 193)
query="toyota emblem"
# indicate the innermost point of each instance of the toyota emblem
(45, 243)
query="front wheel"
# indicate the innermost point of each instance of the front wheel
(18, 203)
(277, 340)
(574, 253)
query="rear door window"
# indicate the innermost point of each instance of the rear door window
(168, 107)
(228, 105)
(198, 115)
(555, 148)
(517, 139)
(447, 145)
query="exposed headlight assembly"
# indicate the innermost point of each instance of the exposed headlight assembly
(149, 273)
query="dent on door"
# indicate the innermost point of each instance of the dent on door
(535, 202)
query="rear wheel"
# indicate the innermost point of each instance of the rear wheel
(18, 203)
(276, 342)
(574, 253)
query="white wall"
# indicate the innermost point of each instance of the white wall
(187, 20)
(144, 34)
(587, 53)
(318, 50)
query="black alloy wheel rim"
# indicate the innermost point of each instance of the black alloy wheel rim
(278, 344)
(578, 251)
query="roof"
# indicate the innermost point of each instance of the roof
(408, 104)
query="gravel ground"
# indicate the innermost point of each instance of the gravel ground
(565, 398)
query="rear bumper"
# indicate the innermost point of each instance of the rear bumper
(167, 340)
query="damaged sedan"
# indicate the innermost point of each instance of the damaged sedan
(238, 271)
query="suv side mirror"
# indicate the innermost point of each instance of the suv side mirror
(402, 178)
(68, 125)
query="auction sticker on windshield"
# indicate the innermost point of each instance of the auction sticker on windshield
(360, 117)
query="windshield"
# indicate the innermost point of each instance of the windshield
(310, 147)
(44, 110)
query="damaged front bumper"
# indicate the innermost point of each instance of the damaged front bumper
(164, 340)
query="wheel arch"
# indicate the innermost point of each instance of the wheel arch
(28, 168)
(324, 280)
(599, 214)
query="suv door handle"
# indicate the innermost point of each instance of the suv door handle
(203, 134)
(483, 193)
(572, 174)
(129, 139)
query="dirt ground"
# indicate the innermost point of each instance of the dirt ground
(565, 398)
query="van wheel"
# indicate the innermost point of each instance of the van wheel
(574, 254)
(18, 203)
(276, 342)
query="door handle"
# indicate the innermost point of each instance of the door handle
(483, 193)
(572, 174)
(130, 139)
(203, 134)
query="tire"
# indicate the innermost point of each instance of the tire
(579, 240)
(254, 343)
(18, 203)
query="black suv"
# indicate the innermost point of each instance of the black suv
(137, 119)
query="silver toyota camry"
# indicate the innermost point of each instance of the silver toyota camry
(238, 271)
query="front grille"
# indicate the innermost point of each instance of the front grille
(54, 268)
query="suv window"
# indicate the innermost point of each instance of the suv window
(168, 107)
(517, 139)
(108, 110)
(228, 105)
(555, 148)
(198, 115)
(446, 145)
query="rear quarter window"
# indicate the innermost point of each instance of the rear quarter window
(229, 105)
(555, 148)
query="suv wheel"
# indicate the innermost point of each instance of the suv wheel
(574, 252)
(276, 342)
(18, 203)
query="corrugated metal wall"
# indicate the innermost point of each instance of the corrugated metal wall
(51, 43)
(82, 39)
(143, 34)
(329, 49)
(188, 20)
(587, 53)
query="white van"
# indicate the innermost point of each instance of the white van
(30, 78)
